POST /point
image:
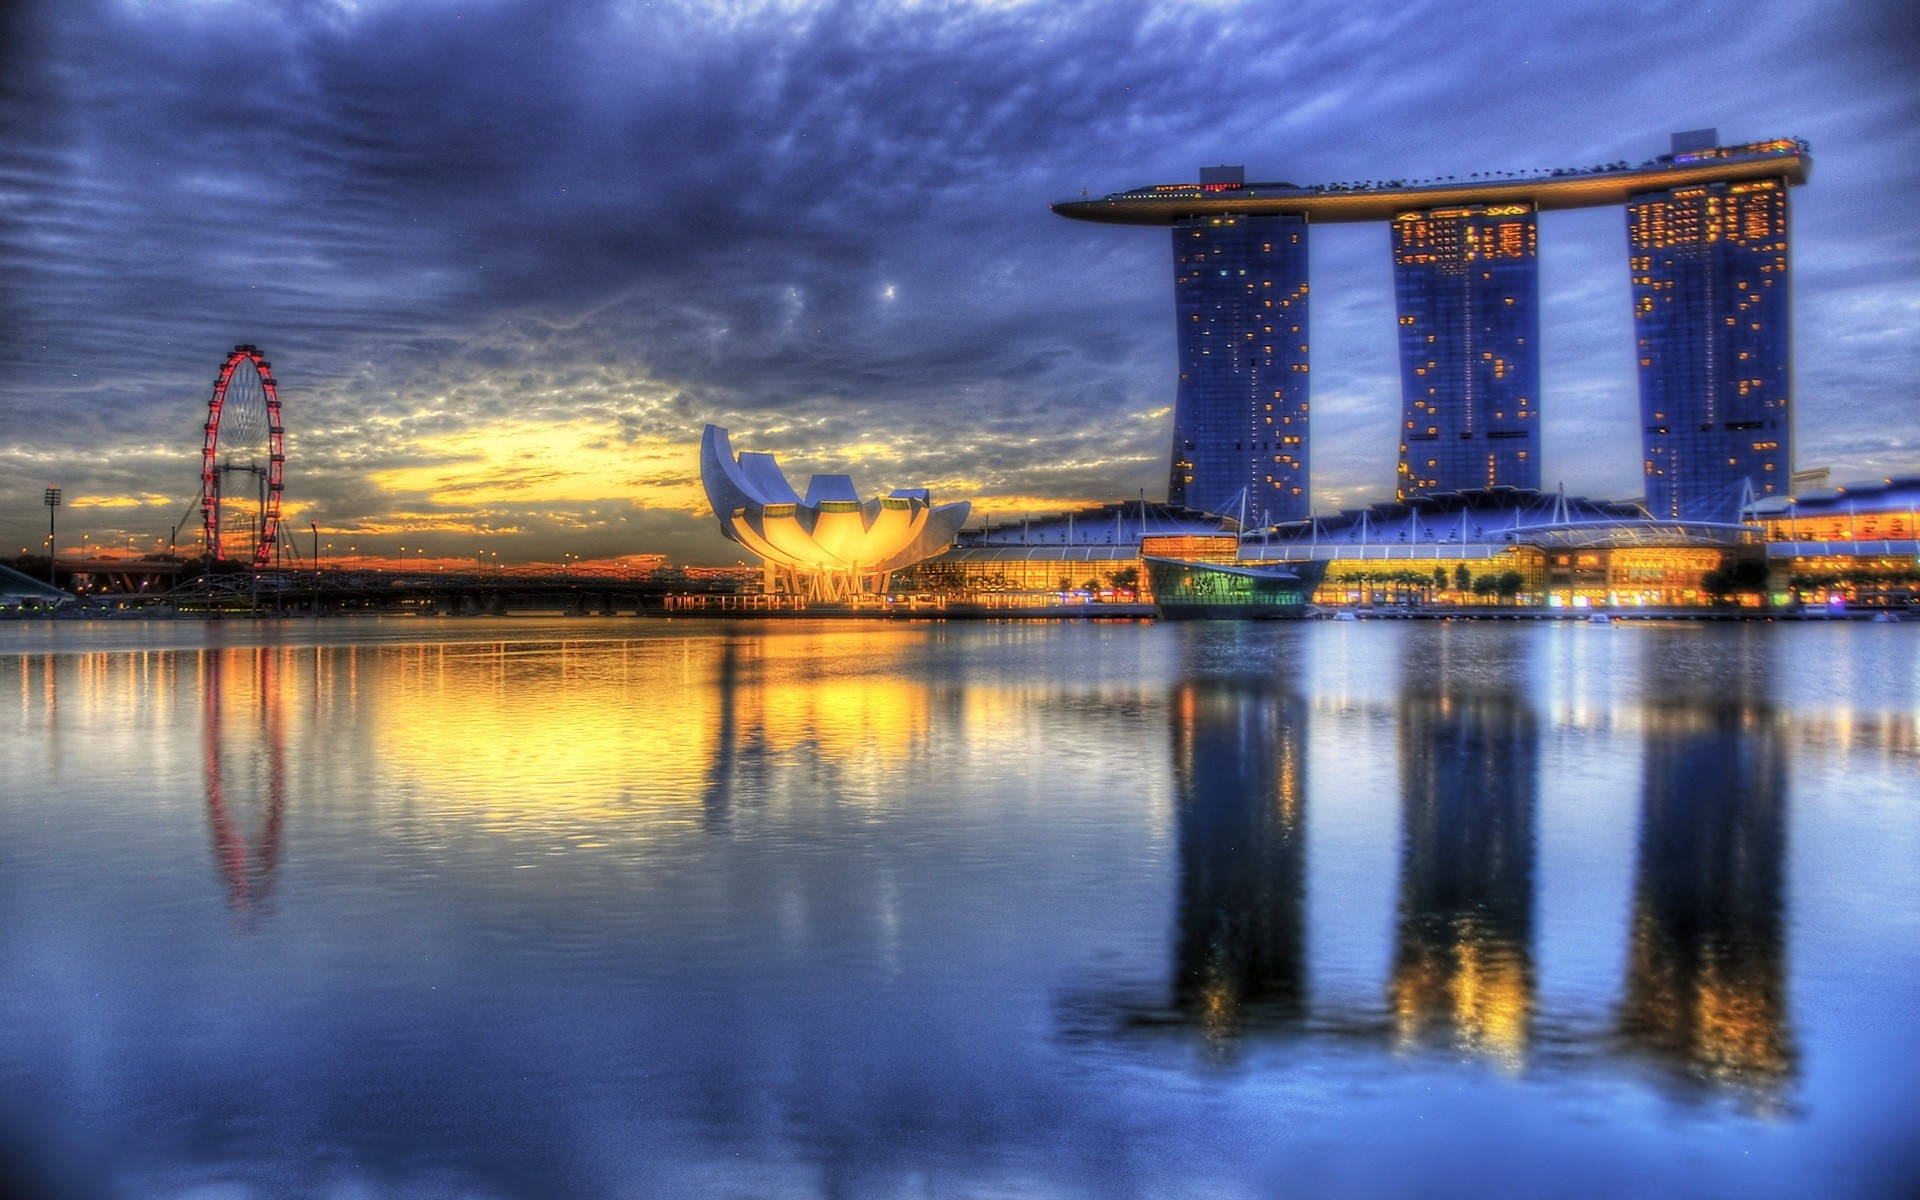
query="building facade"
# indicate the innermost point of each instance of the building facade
(1712, 326)
(1845, 548)
(1484, 548)
(1466, 284)
(1241, 410)
(1854, 546)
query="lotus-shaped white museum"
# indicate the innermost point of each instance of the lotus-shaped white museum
(831, 545)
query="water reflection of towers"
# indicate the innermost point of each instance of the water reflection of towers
(1463, 953)
(1706, 973)
(1239, 757)
(1706, 986)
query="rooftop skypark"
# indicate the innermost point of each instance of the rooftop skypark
(1601, 186)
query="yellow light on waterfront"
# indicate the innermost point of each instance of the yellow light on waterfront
(1475, 984)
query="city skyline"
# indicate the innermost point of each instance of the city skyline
(503, 297)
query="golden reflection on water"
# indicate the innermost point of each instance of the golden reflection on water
(520, 734)
(513, 734)
(876, 715)
(1468, 982)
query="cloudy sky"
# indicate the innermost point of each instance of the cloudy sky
(507, 258)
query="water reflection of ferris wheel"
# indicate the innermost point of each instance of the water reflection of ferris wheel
(242, 460)
(246, 791)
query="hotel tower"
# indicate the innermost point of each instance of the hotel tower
(1708, 251)
(1240, 414)
(1466, 282)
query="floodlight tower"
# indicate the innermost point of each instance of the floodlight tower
(52, 502)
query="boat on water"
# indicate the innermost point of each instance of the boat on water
(1230, 591)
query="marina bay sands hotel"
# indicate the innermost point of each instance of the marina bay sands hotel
(1707, 255)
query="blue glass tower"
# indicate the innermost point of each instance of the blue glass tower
(1711, 324)
(1240, 415)
(1467, 284)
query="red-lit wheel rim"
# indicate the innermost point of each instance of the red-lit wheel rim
(267, 440)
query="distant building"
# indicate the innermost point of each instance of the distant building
(1713, 330)
(1240, 413)
(1466, 282)
(1810, 479)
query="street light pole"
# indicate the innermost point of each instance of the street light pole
(53, 502)
(315, 526)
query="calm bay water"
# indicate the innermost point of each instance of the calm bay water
(636, 908)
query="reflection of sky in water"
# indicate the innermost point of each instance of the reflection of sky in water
(647, 908)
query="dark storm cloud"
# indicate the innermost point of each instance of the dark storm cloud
(826, 225)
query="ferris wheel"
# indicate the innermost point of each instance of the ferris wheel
(242, 520)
